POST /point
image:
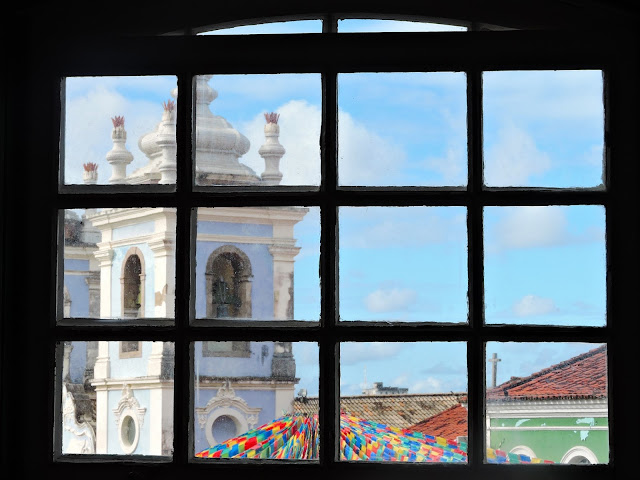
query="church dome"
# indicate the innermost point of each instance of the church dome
(148, 143)
(218, 145)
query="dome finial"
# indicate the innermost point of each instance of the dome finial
(272, 117)
(271, 151)
(90, 173)
(118, 121)
(166, 141)
(119, 157)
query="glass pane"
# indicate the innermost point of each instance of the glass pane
(545, 265)
(547, 403)
(258, 129)
(256, 400)
(258, 263)
(117, 398)
(403, 264)
(354, 25)
(543, 128)
(120, 130)
(119, 263)
(402, 129)
(392, 411)
(297, 26)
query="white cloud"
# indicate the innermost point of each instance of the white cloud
(573, 96)
(254, 92)
(442, 368)
(541, 226)
(300, 136)
(306, 353)
(427, 385)
(514, 158)
(594, 156)
(401, 380)
(451, 166)
(378, 227)
(364, 157)
(534, 226)
(88, 130)
(531, 305)
(390, 300)
(356, 352)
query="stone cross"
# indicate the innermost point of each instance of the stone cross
(494, 368)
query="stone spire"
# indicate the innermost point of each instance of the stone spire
(119, 157)
(219, 146)
(166, 141)
(271, 151)
(90, 173)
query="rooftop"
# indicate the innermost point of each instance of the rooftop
(400, 411)
(451, 423)
(581, 377)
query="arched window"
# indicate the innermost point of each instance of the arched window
(228, 278)
(579, 456)
(523, 450)
(132, 283)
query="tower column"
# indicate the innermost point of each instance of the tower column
(119, 157)
(283, 261)
(167, 142)
(271, 151)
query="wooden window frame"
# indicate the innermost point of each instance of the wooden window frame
(473, 52)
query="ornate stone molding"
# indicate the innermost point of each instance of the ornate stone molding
(227, 403)
(129, 402)
(548, 408)
(283, 253)
(129, 407)
(577, 454)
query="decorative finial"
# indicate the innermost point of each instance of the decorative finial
(119, 157)
(272, 117)
(166, 141)
(271, 151)
(90, 167)
(118, 121)
(169, 105)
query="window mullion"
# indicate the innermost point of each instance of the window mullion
(475, 348)
(184, 253)
(329, 351)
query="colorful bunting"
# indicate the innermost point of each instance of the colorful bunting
(297, 437)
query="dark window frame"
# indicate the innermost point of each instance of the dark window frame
(186, 56)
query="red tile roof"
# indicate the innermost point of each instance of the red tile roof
(400, 410)
(583, 376)
(451, 424)
(580, 377)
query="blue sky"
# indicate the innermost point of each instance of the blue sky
(344, 25)
(543, 265)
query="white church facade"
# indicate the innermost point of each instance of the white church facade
(120, 264)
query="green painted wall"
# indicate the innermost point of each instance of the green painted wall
(552, 444)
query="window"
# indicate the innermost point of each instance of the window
(31, 234)
(132, 284)
(226, 349)
(130, 349)
(228, 277)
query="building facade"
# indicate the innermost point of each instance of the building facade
(120, 264)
